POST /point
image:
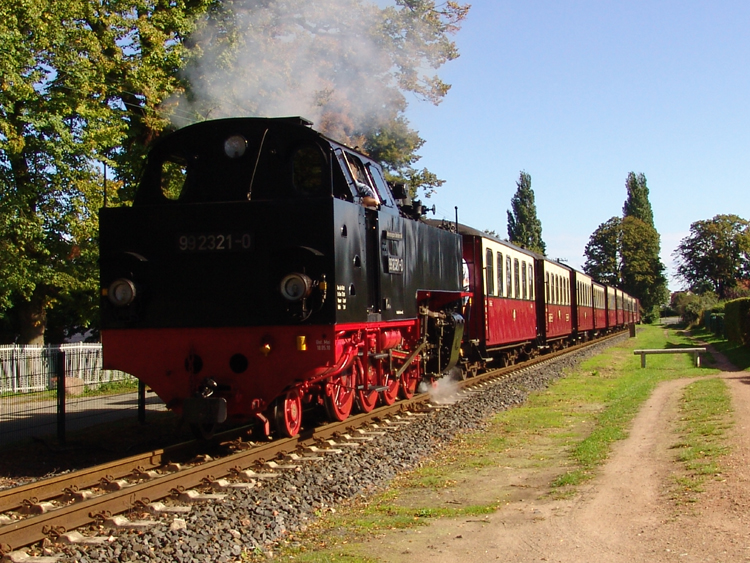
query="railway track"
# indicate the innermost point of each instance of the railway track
(168, 481)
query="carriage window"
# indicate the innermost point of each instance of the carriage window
(308, 171)
(516, 279)
(531, 282)
(508, 278)
(173, 175)
(500, 274)
(523, 279)
(546, 287)
(552, 289)
(490, 273)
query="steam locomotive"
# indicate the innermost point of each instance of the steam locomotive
(264, 268)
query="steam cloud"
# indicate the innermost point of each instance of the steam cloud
(326, 60)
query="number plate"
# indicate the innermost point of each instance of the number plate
(215, 242)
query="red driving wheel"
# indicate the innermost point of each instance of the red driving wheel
(339, 395)
(409, 381)
(287, 413)
(367, 381)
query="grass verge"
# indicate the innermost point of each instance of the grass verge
(706, 414)
(560, 435)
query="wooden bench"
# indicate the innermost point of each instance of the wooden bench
(694, 351)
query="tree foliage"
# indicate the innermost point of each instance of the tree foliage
(714, 257)
(82, 84)
(637, 203)
(602, 253)
(524, 227)
(642, 272)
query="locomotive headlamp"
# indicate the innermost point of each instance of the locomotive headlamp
(235, 146)
(121, 292)
(296, 287)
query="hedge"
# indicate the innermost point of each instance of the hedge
(737, 320)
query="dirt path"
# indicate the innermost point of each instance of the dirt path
(623, 515)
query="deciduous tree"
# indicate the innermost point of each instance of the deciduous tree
(642, 272)
(602, 253)
(637, 203)
(82, 84)
(714, 257)
(624, 252)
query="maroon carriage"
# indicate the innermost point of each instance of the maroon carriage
(554, 302)
(583, 305)
(501, 317)
(599, 292)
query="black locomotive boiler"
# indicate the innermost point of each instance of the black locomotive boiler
(264, 267)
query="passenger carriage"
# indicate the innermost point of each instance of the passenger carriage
(583, 305)
(600, 307)
(502, 314)
(554, 302)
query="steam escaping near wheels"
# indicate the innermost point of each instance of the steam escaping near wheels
(443, 391)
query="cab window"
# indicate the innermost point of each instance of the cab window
(173, 176)
(308, 171)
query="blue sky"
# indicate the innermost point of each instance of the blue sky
(578, 94)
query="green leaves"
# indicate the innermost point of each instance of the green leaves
(83, 83)
(714, 257)
(524, 227)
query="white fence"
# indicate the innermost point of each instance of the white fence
(27, 369)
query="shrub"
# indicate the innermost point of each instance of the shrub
(737, 320)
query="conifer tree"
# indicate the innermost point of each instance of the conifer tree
(637, 204)
(524, 227)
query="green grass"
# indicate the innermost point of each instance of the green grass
(112, 388)
(706, 414)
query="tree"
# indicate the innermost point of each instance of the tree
(714, 257)
(344, 64)
(642, 272)
(637, 203)
(624, 253)
(602, 253)
(79, 89)
(524, 228)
